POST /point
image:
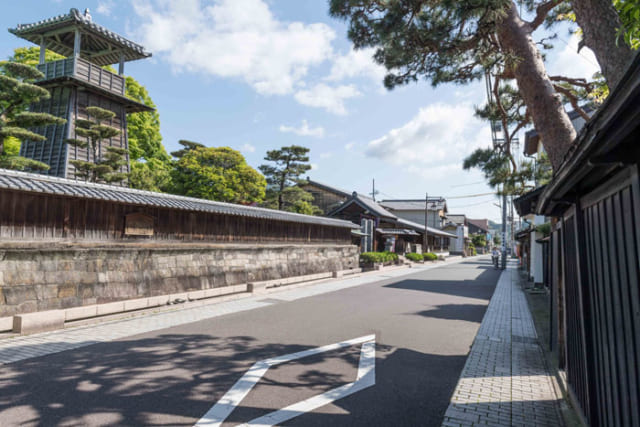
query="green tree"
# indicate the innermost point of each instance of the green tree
(479, 240)
(216, 173)
(100, 167)
(17, 92)
(446, 41)
(188, 146)
(288, 164)
(151, 175)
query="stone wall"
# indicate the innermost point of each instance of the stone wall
(37, 276)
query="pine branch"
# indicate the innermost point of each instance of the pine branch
(541, 13)
(573, 100)
(583, 83)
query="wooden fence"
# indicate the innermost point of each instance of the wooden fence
(34, 216)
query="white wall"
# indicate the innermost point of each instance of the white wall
(536, 252)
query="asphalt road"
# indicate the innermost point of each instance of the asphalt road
(423, 325)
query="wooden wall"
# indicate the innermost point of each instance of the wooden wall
(599, 279)
(31, 216)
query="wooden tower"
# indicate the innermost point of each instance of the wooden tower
(77, 82)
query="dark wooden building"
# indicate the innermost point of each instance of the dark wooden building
(77, 82)
(595, 259)
(325, 196)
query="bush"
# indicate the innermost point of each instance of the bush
(376, 257)
(414, 257)
(430, 256)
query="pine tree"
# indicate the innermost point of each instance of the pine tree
(17, 92)
(446, 41)
(289, 163)
(101, 167)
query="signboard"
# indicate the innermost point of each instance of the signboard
(138, 224)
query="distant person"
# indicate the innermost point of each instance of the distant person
(495, 256)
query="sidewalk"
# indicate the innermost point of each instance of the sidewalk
(505, 381)
(25, 347)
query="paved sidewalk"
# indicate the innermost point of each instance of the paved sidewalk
(504, 381)
(36, 345)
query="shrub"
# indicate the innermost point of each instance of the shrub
(414, 257)
(375, 257)
(430, 256)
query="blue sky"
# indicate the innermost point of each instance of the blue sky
(260, 74)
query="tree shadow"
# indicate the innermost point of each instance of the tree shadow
(174, 379)
(468, 312)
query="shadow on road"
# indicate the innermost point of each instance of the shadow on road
(467, 312)
(175, 379)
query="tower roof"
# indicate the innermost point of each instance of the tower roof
(99, 45)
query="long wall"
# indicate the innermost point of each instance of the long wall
(40, 276)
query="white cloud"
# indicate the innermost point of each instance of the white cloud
(437, 138)
(326, 155)
(234, 39)
(327, 97)
(314, 166)
(568, 62)
(248, 148)
(105, 7)
(349, 146)
(357, 63)
(303, 130)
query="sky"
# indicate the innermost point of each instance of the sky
(256, 75)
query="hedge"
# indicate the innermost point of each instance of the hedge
(430, 256)
(376, 257)
(414, 256)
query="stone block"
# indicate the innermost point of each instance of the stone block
(65, 291)
(135, 304)
(257, 288)
(6, 323)
(110, 308)
(38, 322)
(157, 300)
(194, 295)
(337, 274)
(77, 313)
(15, 295)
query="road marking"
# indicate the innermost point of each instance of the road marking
(365, 378)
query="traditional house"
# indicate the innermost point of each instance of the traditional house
(594, 200)
(532, 244)
(384, 230)
(325, 196)
(456, 224)
(414, 210)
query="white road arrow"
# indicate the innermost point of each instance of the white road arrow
(366, 378)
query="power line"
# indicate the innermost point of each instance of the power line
(472, 204)
(467, 185)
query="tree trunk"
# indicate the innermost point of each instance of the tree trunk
(544, 104)
(599, 22)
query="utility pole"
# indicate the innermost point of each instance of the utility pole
(374, 192)
(426, 216)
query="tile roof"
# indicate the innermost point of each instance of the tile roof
(397, 231)
(328, 188)
(420, 227)
(33, 31)
(414, 204)
(482, 224)
(35, 183)
(365, 203)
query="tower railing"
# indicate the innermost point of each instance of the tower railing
(83, 70)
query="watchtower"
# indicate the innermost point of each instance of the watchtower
(77, 82)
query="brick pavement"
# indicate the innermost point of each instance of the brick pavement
(505, 381)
